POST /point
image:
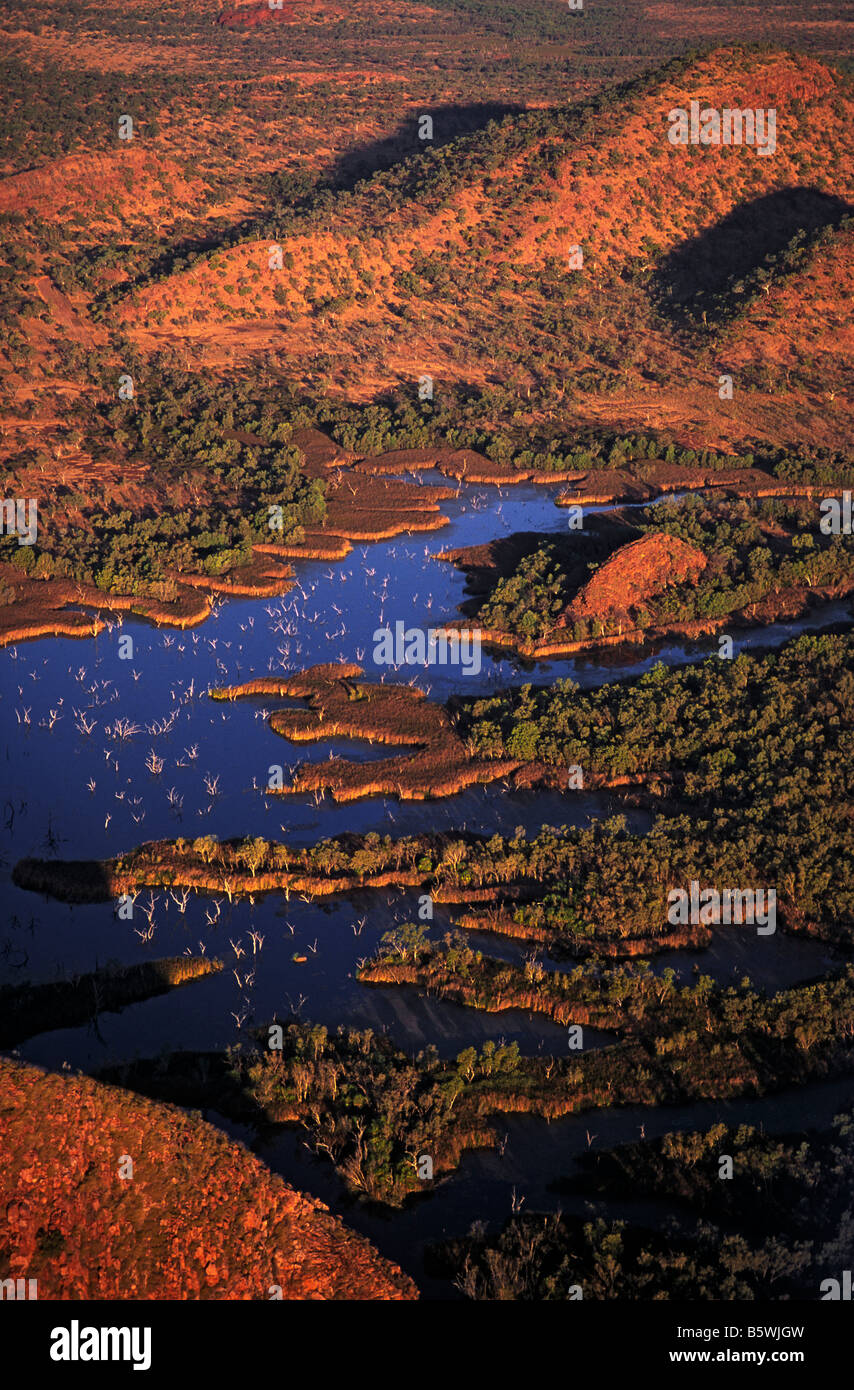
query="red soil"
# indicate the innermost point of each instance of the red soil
(250, 16)
(201, 1218)
(230, 302)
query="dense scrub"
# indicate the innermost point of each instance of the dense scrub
(228, 456)
(760, 747)
(566, 1258)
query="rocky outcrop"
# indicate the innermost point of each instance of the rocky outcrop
(636, 573)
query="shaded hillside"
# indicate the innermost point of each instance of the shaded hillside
(451, 263)
(707, 278)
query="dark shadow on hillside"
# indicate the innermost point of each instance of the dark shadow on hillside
(714, 276)
(287, 195)
(290, 192)
(449, 123)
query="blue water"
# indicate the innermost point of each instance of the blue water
(79, 794)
